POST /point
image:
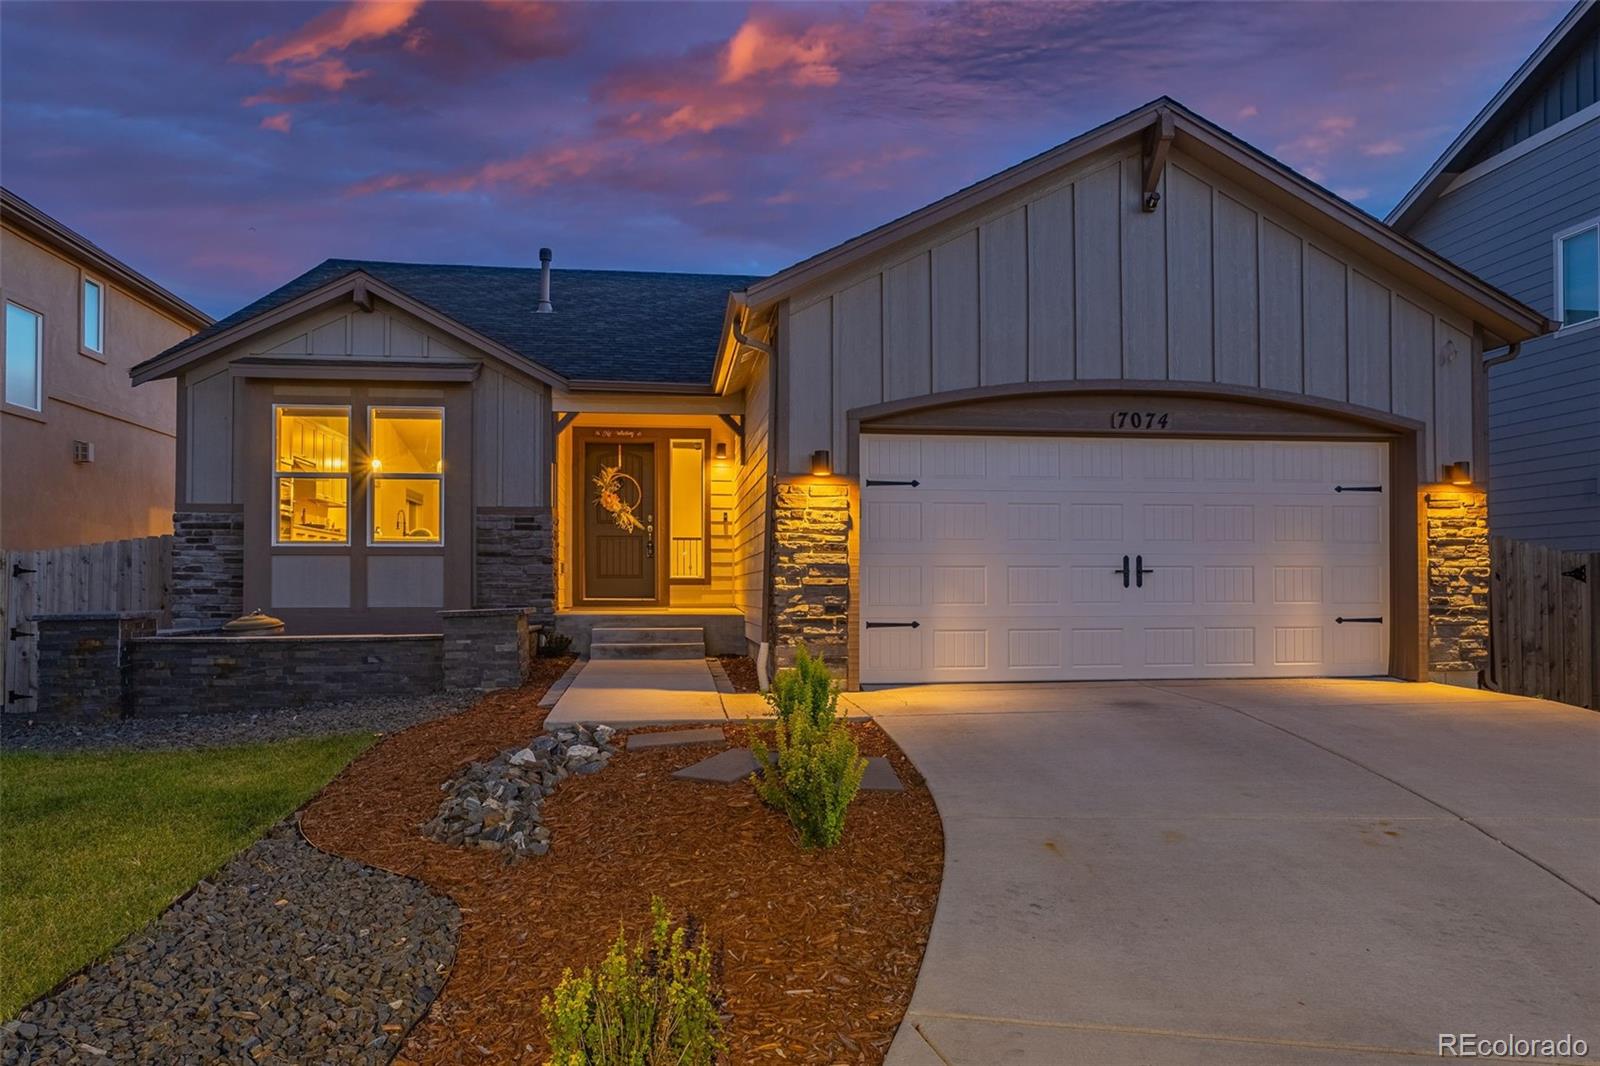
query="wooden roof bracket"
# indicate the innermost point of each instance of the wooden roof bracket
(1157, 144)
(362, 298)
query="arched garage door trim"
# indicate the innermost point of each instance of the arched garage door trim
(1192, 410)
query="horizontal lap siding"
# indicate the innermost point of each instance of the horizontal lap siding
(1071, 280)
(750, 504)
(1544, 433)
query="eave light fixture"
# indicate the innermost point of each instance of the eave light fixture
(821, 463)
(1458, 473)
(722, 449)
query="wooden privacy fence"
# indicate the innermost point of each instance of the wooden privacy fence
(1544, 621)
(118, 575)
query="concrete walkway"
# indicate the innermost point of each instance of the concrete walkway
(1251, 872)
(641, 692)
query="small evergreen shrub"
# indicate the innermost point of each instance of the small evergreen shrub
(817, 767)
(652, 1003)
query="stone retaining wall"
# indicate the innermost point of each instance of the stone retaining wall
(82, 664)
(207, 568)
(515, 561)
(1458, 584)
(487, 649)
(213, 674)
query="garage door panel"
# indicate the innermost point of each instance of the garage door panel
(1008, 556)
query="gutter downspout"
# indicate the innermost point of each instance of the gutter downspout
(1487, 679)
(764, 652)
(1513, 350)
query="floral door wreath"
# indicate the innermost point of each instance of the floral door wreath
(611, 485)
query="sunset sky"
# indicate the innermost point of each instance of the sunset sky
(225, 147)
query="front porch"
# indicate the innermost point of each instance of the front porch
(723, 626)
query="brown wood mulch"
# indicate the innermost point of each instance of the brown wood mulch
(741, 670)
(820, 950)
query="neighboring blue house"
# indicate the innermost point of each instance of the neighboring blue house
(1516, 200)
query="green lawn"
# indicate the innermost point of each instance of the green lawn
(94, 845)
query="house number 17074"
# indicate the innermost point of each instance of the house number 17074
(1138, 419)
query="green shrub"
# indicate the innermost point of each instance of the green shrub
(554, 645)
(652, 1003)
(814, 768)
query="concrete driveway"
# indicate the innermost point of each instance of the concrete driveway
(1251, 872)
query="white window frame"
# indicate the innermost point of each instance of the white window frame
(37, 407)
(1560, 286)
(83, 317)
(278, 475)
(372, 476)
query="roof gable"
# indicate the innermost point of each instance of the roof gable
(608, 326)
(1215, 148)
(1560, 79)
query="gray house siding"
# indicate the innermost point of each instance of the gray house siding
(1544, 407)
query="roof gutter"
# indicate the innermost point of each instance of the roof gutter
(1513, 350)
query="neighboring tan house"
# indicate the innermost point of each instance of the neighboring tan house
(84, 455)
(1148, 405)
(1516, 200)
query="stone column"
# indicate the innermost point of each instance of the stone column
(82, 660)
(515, 561)
(487, 648)
(1458, 584)
(207, 568)
(811, 570)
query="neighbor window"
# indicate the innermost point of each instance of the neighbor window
(94, 316)
(407, 475)
(311, 475)
(688, 481)
(1578, 274)
(24, 353)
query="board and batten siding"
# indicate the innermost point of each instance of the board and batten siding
(511, 412)
(751, 494)
(1070, 280)
(1544, 406)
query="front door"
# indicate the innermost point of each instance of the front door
(619, 521)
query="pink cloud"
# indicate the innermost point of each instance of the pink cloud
(1387, 146)
(282, 122)
(333, 31)
(762, 47)
(1249, 111)
(537, 170)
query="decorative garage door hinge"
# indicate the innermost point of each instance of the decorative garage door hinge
(894, 625)
(1342, 620)
(874, 481)
(1358, 488)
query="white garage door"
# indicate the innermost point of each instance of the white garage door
(1002, 558)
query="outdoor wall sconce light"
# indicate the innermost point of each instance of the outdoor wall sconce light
(722, 449)
(1458, 473)
(821, 463)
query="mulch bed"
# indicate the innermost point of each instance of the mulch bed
(820, 950)
(741, 670)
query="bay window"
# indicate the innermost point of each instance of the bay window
(311, 475)
(407, 467)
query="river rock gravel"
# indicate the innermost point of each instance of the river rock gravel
(387, 714)
(286, 955)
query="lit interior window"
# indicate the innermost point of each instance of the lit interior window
(407, 475)
(688, 473)
(311, 468)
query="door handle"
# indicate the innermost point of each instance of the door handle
(1140, 570)
(1123, 570)
(649, 536)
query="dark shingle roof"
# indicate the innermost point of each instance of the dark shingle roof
(608, 325)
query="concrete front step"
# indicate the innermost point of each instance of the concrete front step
(648, 635)
(652, 650)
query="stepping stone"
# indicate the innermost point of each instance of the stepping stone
(880, 776)
(724, 767)
(675, 739)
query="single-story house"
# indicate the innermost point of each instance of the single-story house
(1148, 405)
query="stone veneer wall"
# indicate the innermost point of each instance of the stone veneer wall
(488, 648)
(207, 568)
(1458, 583)
(82, 664)
(811, 570)
(214, 674)
(515, 563)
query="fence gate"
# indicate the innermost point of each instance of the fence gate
(117, 575)
(1544, 621)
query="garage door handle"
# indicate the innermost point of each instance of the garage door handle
(1141, 570)
(1342, 621)
(1124, 571)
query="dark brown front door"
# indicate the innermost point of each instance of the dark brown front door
(619, 550)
